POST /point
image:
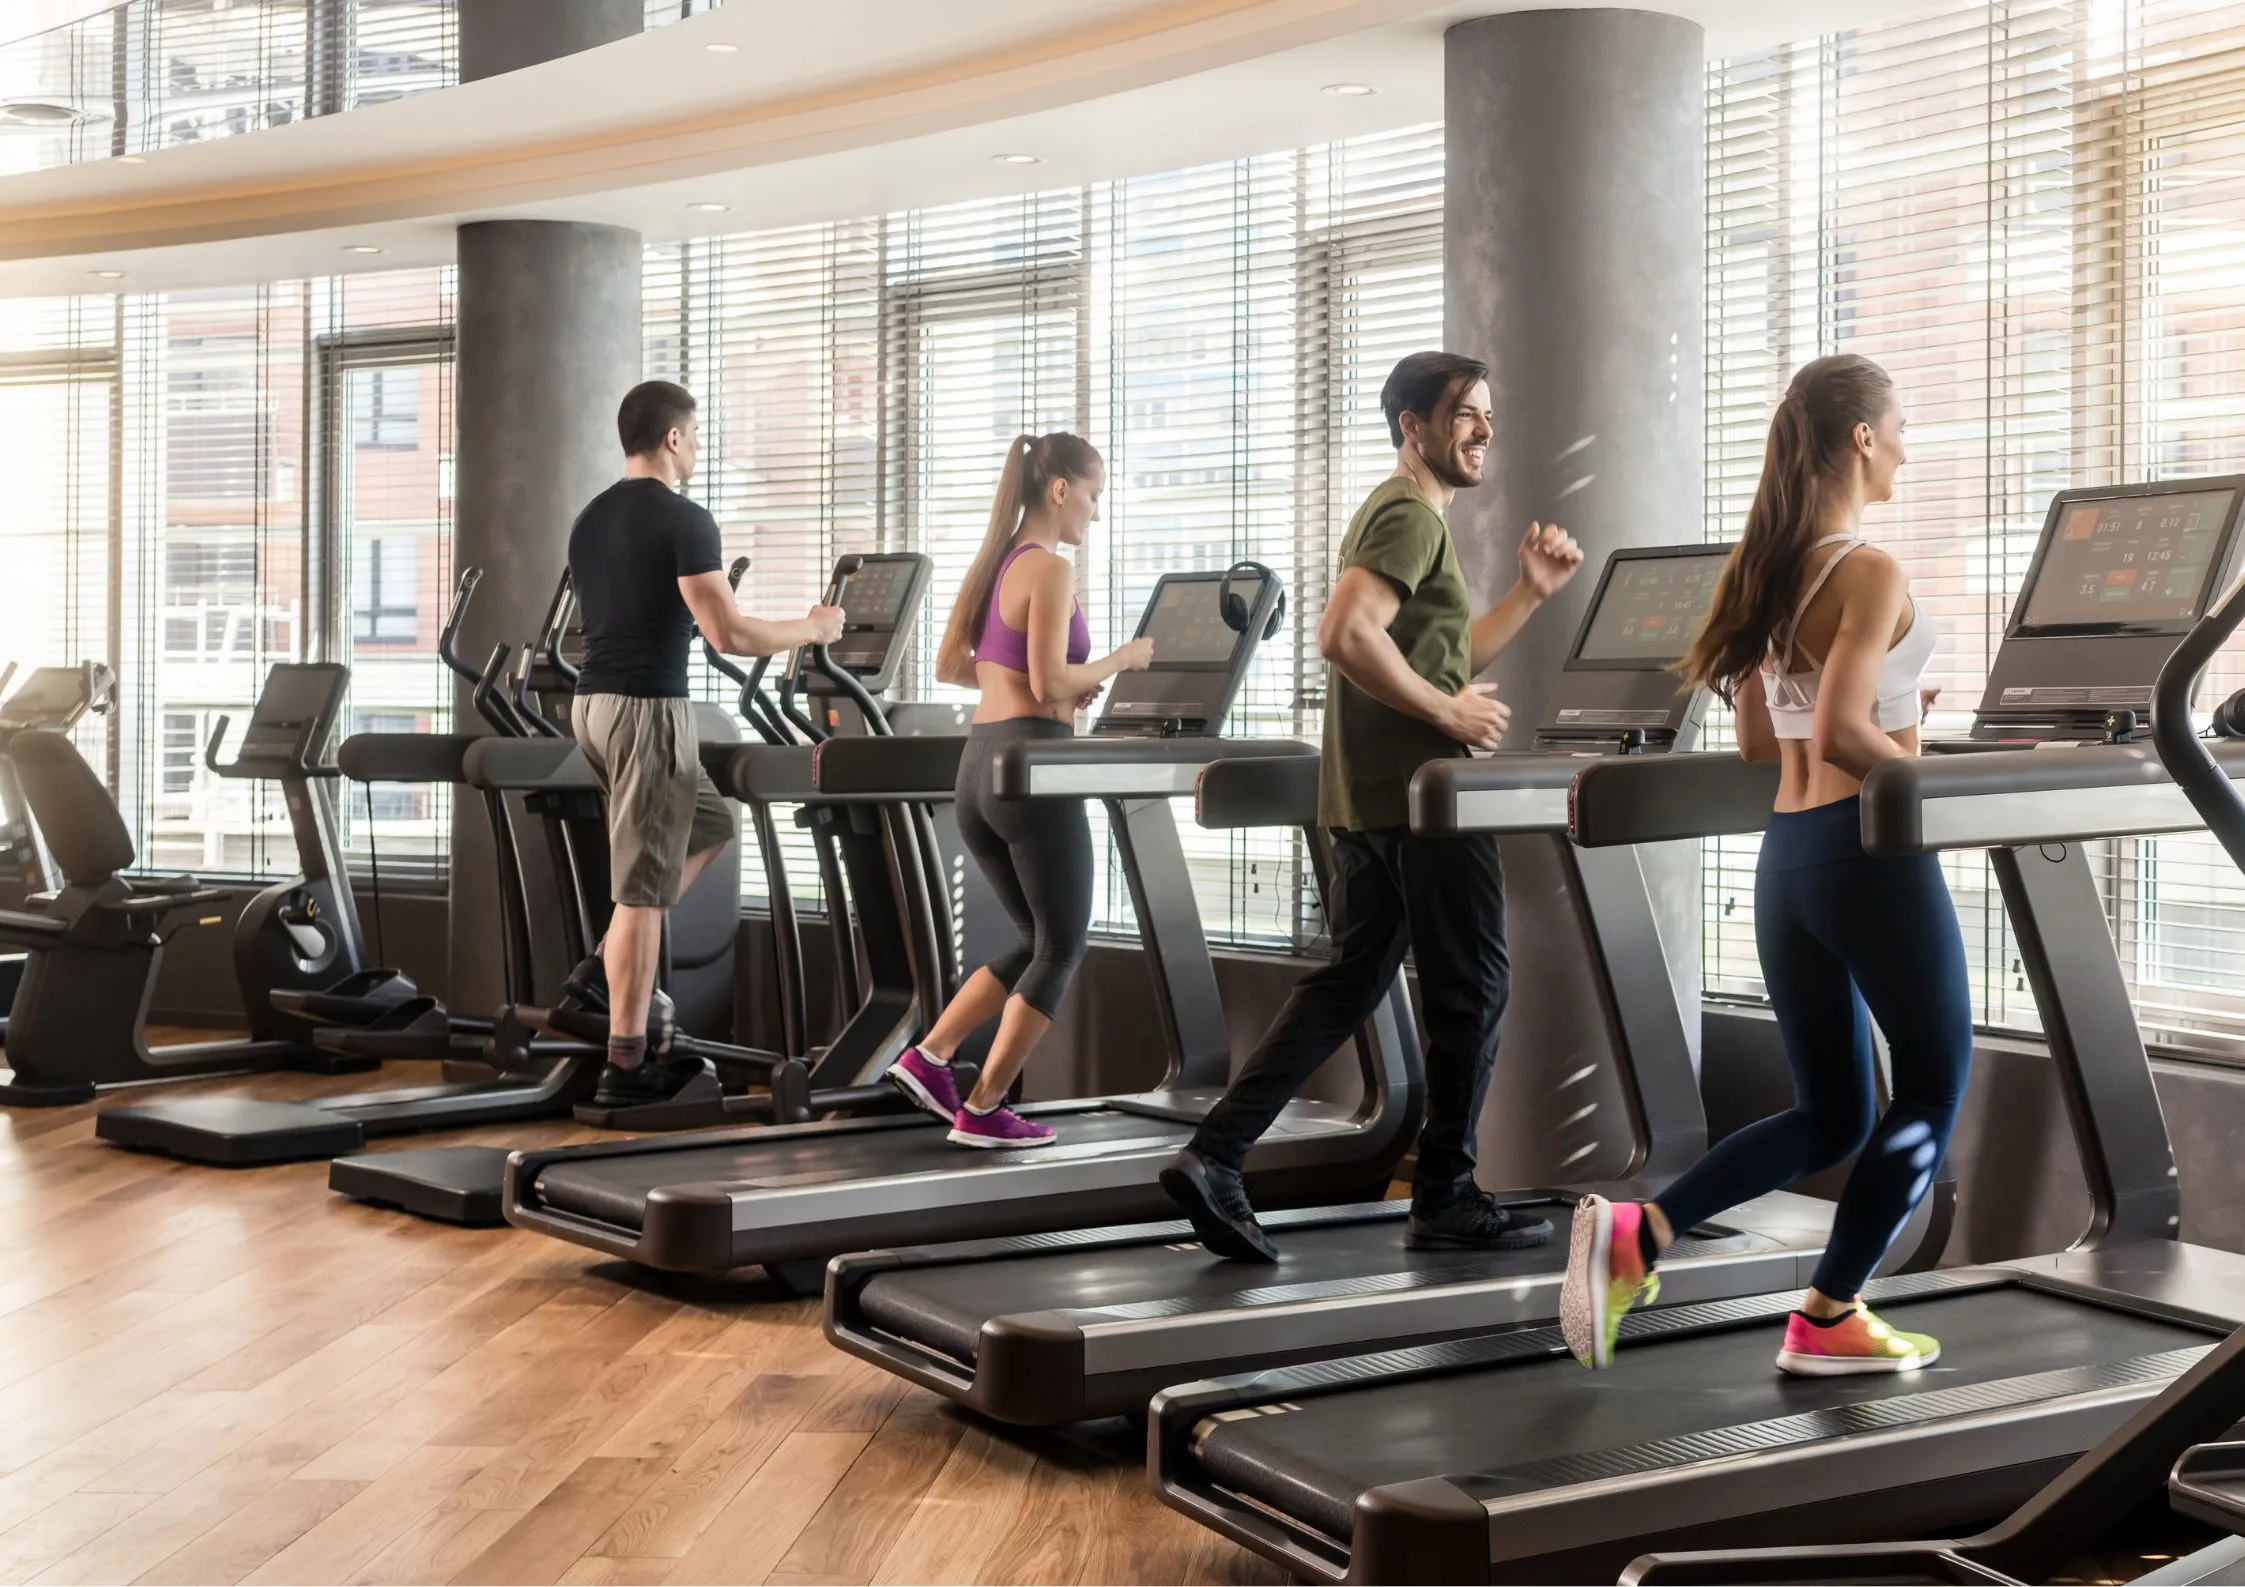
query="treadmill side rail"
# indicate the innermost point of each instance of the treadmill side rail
(2007, 797)
(1663, 798)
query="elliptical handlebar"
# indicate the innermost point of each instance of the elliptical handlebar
(755, 709)
(2181, 751)
(490, 704)
(539, 724)
(557, 625)
(448, 641)
(846, 568)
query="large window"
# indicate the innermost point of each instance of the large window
(1221, 333)
(2030, 214)
(151, 74)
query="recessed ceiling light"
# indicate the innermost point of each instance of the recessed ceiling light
(710, 209)
(360, 247)
(1017, 159)
(722, 49)
(108, 275)
(1351, 90)
(132, 159)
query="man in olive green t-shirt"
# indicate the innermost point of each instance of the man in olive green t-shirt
(1403, 644)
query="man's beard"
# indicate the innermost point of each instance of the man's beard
(1451, 470)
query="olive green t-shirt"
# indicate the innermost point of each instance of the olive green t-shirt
(1371, 750)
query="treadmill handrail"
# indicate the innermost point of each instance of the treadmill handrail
(1257, 791)
(405, 757)
(1449, 797)
(2013, 798)
(529, 765)
(1630, 799)
(2205, 781)
(915, 770)
(1013, 774)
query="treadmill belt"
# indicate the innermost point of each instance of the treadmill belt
(614, 1189)
(944, 1306)
(1546, 1422)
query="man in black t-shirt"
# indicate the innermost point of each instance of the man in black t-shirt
(647, 566)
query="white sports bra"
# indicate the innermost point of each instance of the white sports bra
(1791, 696)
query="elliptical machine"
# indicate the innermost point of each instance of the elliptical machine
(78, 1017)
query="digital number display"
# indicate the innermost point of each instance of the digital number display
(2140, 559)
(1187, 626)
(874, 596)
(1650, 608)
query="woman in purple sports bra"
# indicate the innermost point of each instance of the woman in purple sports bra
(1017, 634)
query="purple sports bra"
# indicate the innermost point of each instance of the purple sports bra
(1008, 646)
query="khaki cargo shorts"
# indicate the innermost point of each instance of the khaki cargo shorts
(661, 804)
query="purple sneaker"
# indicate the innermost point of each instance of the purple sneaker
(927, 1083)
(1001, 1128)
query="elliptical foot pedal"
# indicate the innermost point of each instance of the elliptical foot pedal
(355, 1000)
(231, 1132)
(450, 1184)
(417, 1029)
(698, 1104)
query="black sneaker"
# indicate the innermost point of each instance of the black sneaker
(1214, 1196)
(650, 1080)
(1475, 1222)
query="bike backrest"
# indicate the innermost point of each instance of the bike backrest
(75, 814)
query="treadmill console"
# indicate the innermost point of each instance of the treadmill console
(1616, 689)
(880, 604)
(1200, 660)
(2119, 576)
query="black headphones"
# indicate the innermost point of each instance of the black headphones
(2229, 717)
(1234, 606)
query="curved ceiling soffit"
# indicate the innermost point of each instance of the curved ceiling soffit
(1111, 55)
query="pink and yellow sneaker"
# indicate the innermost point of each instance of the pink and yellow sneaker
(1858, 1342)
(1606, 1276)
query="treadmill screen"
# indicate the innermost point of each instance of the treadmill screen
(1649, 609)
(874, 597)
(1186, 626)
(2129, 559)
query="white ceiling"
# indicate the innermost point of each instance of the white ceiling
(825, 111)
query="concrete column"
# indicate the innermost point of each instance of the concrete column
(506, 35)
(548, 341)
(1574, 243)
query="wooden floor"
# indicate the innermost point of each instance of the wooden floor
(211, 1375)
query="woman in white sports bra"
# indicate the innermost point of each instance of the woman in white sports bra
(1817, 642)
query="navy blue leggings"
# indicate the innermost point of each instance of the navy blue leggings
(1839, 930)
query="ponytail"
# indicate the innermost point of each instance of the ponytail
(1808, 440)
(1032, 464)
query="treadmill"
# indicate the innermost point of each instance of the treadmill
(2166, 1442)
(1498, 1458)
(790, 1197)
(1051, 1329)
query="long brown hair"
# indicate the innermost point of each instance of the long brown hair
(1033, 462)
(1809, 438)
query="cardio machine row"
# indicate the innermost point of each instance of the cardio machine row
(1458, 1442)
(543, 1051)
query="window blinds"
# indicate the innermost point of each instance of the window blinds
(151, 74)
(2029, 213)
(1220, 333)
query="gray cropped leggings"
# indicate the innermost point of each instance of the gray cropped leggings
(1037, 855)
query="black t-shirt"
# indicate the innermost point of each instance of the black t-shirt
(630, 547)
